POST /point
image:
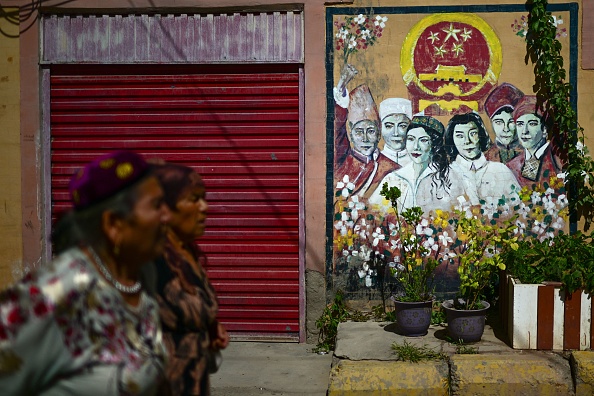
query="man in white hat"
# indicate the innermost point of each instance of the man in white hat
(395, 115)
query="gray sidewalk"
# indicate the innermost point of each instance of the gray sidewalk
(271, 368)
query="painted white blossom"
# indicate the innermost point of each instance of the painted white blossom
(362, 273)
(378, 236)
(562, 201)
(558, 223)
(445, 239)
(368, 282)
(538, 227)
(352, 43)
(395, 244)
(355, 207)
(365, 253)
(360, 19)
(380, 21)
(346, 186)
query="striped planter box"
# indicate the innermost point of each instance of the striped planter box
(539, 316)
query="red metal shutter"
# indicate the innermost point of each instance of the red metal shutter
(238, 127)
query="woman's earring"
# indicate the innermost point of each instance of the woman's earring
(116, 250)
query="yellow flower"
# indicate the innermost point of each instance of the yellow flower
(409, 267)
(419, 261)
(525, 194)
(461, 235)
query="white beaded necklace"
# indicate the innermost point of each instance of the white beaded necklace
(135, 288)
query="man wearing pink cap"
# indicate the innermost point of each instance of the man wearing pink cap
(537, 163)
(357, 134)
(499, 106)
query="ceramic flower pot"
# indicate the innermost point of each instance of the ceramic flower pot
(465, 325)
(413, 318)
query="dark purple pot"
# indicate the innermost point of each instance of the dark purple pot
(465, 325)
(413, 318)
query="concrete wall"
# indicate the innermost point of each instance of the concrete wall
(10, 155)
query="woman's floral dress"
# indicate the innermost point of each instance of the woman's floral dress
(65, 331)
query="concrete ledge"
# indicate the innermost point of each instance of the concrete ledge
(367, 377)
(511, 374)
(582, 363)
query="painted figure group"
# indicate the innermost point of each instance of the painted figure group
(432, 164)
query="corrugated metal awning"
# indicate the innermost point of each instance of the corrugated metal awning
(262, 37)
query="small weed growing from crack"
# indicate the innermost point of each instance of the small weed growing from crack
(413, 353)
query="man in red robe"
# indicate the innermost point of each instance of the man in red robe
(357, 134)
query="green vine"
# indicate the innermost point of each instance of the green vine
(544, 50)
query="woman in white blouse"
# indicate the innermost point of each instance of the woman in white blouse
(427, 181)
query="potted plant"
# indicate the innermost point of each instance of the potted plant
(414, 264)
(547, 285)
(479, 263)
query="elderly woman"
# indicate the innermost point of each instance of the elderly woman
(82, 325)
(427, 180)
(187, 301)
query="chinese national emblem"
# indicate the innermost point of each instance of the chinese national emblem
(450, 62)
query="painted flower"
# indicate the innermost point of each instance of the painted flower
(346, 186)
(360, 19)
(380, 21)
(378, 236)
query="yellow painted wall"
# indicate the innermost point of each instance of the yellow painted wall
(10, 153)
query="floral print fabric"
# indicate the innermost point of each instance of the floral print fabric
(188, 310)
(65, 330)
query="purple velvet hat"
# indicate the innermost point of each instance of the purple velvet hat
(105, 176)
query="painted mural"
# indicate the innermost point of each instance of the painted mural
(441, 106)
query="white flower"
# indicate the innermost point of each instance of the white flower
(394, 244)
(362, 273)
(445, 239)
(538, 227)
(352, 43)
(365, 253)
(378, 236)
(393, 228)
(346, 186)
(380, 21)
(360, 19)
(355, 206)
(558, 223)
(562, 201)
(368, 281)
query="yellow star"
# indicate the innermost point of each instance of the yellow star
(467, 34)
(457, 49)
(433, 37)
(451, 32)
(440, 51)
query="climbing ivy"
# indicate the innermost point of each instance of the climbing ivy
(544, 50)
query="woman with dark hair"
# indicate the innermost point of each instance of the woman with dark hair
(466, 139)
(187, 302)
(427, 181)
(83, 325)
